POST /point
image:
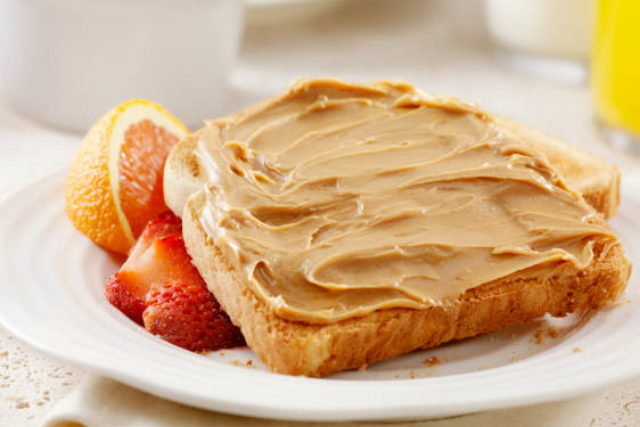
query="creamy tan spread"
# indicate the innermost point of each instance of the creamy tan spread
(335, 200)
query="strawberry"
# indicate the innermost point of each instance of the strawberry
(166, 224)
(124, 296)
(126, 290)
(186, 314)
(160, 288)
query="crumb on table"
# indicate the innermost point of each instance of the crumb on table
(577, 350)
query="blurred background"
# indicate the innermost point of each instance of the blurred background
(568, 67)
(63, 63)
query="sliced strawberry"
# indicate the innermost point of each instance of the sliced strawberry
(166, 224)
(186, 314)
(125, 293)
(149, 261)
(165, 259)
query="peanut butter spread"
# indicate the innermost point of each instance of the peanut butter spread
(335, 200)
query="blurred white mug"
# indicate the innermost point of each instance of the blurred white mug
(558, 28)
(66, 62)
(549, 38)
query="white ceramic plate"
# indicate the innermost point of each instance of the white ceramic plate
(51, 297)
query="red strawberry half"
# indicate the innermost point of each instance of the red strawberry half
(187, 315)
(147, 263)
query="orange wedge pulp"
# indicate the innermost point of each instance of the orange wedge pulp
(114, 186)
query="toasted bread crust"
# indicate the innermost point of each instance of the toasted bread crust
(181, 174)
(591, 176)
(318, 350)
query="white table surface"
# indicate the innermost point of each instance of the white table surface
(438, 45)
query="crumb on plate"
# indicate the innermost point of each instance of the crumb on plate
(538, 337)
(432, 361)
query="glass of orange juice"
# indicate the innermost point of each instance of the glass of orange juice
(615, 72)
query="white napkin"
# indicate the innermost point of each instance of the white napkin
(100, 402)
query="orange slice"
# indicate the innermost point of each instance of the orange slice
(114, 186)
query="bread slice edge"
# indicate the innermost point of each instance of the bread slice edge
(595, 179)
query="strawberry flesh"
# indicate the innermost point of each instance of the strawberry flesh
(126, 290)
(166, 224)
(125, 293)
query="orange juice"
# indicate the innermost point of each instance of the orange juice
(615, 64)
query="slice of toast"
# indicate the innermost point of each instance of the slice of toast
(318, 350)
(298, 348)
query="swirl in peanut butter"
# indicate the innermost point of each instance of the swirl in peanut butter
(336, 200)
